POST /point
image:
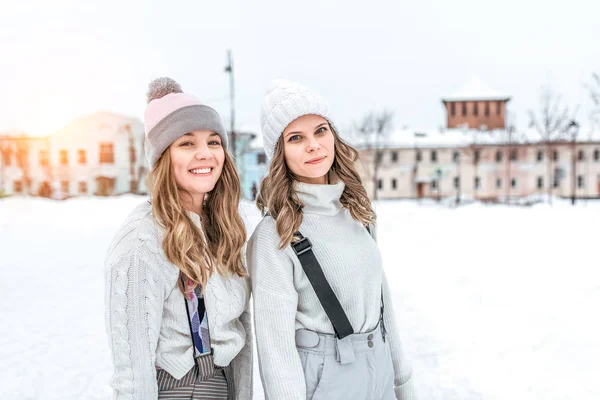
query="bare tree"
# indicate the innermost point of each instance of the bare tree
(5, 154)
(22, 158)
(371, 130)
(475, 152)
(594, 90)
(133, 178)
(551, 124)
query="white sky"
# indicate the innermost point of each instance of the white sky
(65, 58)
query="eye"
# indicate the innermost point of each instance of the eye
(186, 144)
(321, 129)
(214, 143)
(294, 138)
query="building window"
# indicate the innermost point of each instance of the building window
(499, 183)
(5, 155)
(513, 183)
(378, 156)
(107, 154)
(487, 108)
(514, 155)
(581, 155)
(64, 187)
(261, 158)
(452, 109)
(394, 183)
(18, 186)
(394, 156)
(81, 158)
(456, 182)
(475, 108)
(556, 181)
(540, 156)
(455, 156)
(540, 182)
(464, 108)
(380, 184)
(433, 156)
(83, 187)
(498, 107)
(477, 156)
(477, 182)
(63, 157)
(44, 158)
(580, 181)
(596, 155)
(498, 156)
(434, 184)
(418, 156)
(555, 155)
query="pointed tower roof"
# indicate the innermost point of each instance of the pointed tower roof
(476, 89)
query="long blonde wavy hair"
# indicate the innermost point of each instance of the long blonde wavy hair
(277, 195)
(218, 247)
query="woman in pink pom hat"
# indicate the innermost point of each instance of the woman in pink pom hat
(177, 290)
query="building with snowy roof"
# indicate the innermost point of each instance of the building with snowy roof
(477, 156)
(100, 154)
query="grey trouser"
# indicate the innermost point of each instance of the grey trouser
(358, 367)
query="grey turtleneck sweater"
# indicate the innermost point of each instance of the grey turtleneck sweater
(285, 301)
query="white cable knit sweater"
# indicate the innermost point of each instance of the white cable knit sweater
(146, 318)
(285, 301)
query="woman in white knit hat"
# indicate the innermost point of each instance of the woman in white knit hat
(176, 288)
(324, 323)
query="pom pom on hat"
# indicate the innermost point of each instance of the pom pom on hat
(160, 87)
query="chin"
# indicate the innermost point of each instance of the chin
(202, 188)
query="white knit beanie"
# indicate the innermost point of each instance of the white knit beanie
(286, 101)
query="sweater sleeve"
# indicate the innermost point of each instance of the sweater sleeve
(275, 303)
(133, 309)
(242, 363)
(403, 384)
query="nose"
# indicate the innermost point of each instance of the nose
(312, 144)
(203, 153)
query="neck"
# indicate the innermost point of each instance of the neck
(322, 180)
(192, 203)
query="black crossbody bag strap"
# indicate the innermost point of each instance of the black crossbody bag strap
(381, 321)
(325, 294)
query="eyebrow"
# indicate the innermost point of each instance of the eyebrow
(299, 132)
(191, 134)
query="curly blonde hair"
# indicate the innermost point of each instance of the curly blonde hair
(277, 195)
(218, 246)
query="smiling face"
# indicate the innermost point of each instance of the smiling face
(309, 148)
(197, 160)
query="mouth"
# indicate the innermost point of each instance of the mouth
(201, 171)
(316, 160)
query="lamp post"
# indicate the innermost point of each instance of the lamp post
(573, 129)
(229, 70)
(418, 159)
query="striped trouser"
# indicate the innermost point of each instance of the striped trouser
(204, 381)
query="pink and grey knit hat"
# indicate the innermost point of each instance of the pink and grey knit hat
(171, 114)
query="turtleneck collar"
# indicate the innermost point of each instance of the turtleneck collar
(320, 199)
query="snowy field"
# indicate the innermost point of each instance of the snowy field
(495, 302)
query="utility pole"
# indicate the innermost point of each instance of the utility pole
(229, 69)
(573, 130)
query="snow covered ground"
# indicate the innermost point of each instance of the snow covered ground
(496, 302)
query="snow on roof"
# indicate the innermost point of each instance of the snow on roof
(476, 89)
(20, 134)
(450, 138)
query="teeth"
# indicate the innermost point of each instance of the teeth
(201, 170)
